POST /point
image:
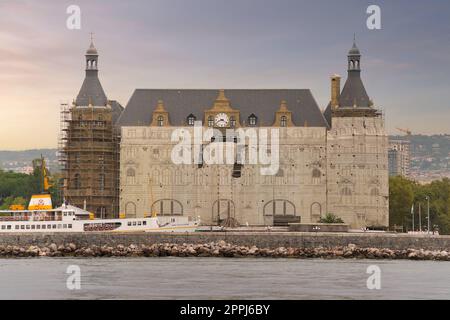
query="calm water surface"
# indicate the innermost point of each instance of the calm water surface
(219, 278)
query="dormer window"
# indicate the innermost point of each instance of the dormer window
(191, 119)
(160, 121)
(232, 122)
(283, 121)
(252, 120)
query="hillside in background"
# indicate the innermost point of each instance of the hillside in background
(21, 161)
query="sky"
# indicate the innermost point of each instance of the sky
(213, 44)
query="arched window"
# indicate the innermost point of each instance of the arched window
(232, 122)
(346, 191)
(191, 119)
(76, 181)
(316, 175)
(131, 176)
(160, 121)
(210, 121)
(130, 210)
(252, 120)
(283, 121)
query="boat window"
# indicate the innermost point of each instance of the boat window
(70, 226)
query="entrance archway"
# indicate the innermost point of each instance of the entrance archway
(223, 212)
(281, 211)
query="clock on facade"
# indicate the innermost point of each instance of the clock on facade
(221, 120)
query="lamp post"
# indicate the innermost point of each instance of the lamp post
(420, 217)
(428, 213)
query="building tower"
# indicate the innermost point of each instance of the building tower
(91, 145)
(357, 160)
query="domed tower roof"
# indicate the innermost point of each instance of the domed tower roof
(354, 51)
(92, 50)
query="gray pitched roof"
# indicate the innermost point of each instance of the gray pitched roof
(354, 92)
(116, 110)
(262, 102)
(91, 91)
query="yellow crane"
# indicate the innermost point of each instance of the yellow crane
(406, 131)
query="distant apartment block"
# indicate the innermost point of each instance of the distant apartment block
(399, 156)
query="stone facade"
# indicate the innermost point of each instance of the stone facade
(335, 162)
(357, 171)
(297, 191)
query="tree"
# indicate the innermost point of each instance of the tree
(403, 193)
(401, 198)
(330, 218)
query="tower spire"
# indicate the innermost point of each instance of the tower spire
(354, 57)
(91, 91)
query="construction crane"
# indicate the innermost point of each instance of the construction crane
(407, 131)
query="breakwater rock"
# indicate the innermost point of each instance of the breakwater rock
(217, 249)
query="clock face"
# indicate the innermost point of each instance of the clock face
(221, 120)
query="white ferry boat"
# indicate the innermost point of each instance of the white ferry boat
(41, 217)
(72, 219)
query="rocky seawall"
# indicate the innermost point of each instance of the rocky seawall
(217, 249)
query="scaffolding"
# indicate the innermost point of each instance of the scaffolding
(89, 157)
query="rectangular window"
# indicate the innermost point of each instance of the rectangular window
(139, 223)
(129, 223)
(17, 227)
(54, 226)
(134, 223)
(9, 227)
(59, 226)
(33, 227)
(43, 226)
(22, 227)
(70, 226)
(38, 226)
(3, 227)
(64, 226)
(144, 223)
(49, 226)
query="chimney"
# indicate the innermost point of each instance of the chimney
(335, 90)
